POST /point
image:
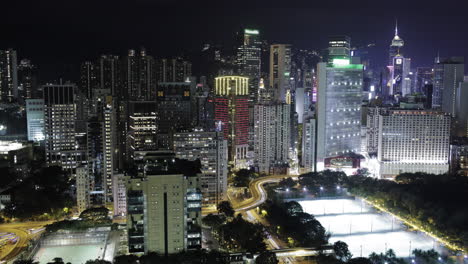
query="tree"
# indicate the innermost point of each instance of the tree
(25, 261)
(359, 260)
(293, 208)
(98, 214)
(126, 259)
(213, 221)
(225, 208)
(98, 261)
(266, 257)
(342, 251)
(239, 234)
(243, 177)
(287, 183)
(426, 257)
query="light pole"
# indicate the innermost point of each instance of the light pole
(409, 255)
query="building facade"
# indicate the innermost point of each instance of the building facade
(413, 141)
(211, 149)
(272, 137)
(164, 209)
(338, 109)
(280, 70)
(8, 75)
(35, 120)
(232, 114)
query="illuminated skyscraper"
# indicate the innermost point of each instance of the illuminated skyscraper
(396, 47)
(308, 143)
(338, 110)
(280, 70)
(35, 119)
(338, 47)
(249, 59)
(232, 114)
(142, 128)
(59, 119)
(8, 75)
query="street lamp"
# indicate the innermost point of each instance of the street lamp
(304, 189)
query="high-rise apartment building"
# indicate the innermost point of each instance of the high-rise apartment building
(272, 137)
(164, 207)
(232, 114)
(139, 76)
(448, 74)
(173, 70)
(280, 70)
(119, 194)
(413, 141)
(8, 75)
(308, 144)
(211, 149)
(35, 119)
(83, 189)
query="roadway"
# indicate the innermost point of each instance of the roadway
(259, 194)
(21, 231)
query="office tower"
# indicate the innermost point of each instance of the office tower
(142, 128)
(119, 194)
(59, 120)
(27, 80)
(83, 186)
(280, 70)
(249, 59)
(396, 47)
(308, 143)
(109, 145)
(139, 76)
(35, 119)
(338, 110)
(461, 110)
(8, 75)
(400, 84)
(272, 137)
(164, 207)
(413, 141)
(448, 73)
(424, 76)
(232, 115)
(174, 102)
(211, 149)
(339, 47)
(173, 70)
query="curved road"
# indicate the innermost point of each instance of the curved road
(259, 194)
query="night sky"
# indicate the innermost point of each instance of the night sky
(58, 35)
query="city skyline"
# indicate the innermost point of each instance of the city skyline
(77, 31)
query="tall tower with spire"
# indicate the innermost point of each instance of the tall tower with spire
(396, 45)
